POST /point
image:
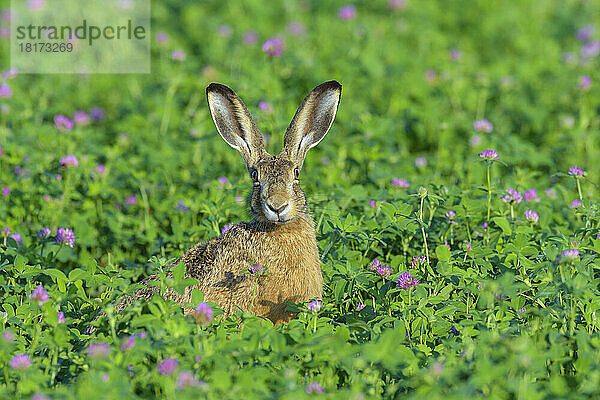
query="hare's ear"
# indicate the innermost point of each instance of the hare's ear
(234, 123)
(312, 120)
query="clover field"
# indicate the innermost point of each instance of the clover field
(455, 197)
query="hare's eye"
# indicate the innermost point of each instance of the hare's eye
(254, 175)
(296, 173)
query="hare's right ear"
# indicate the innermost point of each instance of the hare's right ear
(234, 123)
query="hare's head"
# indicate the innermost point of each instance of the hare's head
(276, 195)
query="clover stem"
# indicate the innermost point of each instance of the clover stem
(423, 230)
(579, 190)
(254, 294)
(489, 193)
(572, 324)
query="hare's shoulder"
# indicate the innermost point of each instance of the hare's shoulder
(200, 259)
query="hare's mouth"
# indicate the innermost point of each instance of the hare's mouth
(281, 216)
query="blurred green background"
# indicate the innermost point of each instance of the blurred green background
(415, 76)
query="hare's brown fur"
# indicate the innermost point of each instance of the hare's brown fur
(281, 236)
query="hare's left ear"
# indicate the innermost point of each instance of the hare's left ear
(312, 120)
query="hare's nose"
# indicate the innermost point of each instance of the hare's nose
(277, 209)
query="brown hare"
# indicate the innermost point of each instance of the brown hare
(281, 235)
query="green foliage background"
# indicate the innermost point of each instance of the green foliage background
(507, 318)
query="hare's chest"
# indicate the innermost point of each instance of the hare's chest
(295, 279)
(289, 250)
(293, 267)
